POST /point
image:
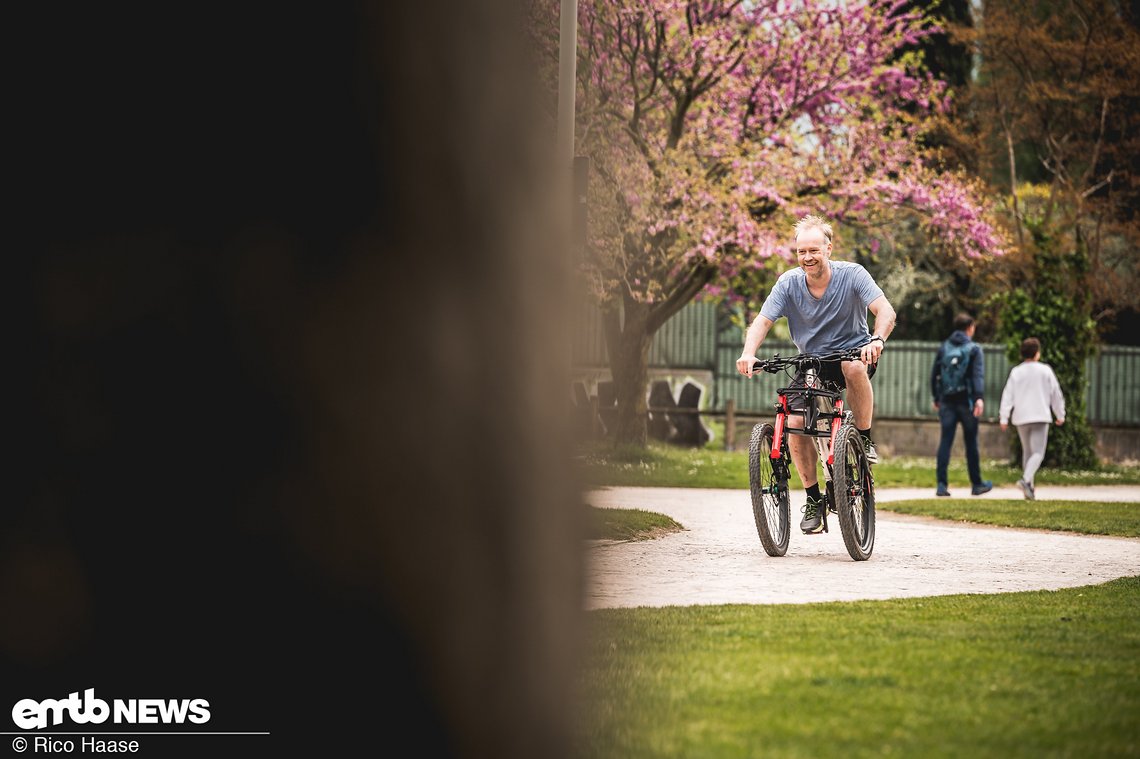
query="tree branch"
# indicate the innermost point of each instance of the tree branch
(691, 284)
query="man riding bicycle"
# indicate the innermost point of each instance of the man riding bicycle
(826, 304)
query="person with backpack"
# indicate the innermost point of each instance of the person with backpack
(1031, 392)
(957, 382)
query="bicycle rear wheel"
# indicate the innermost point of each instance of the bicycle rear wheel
(769, 486)
(854, 493)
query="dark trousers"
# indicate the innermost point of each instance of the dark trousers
(951, 414)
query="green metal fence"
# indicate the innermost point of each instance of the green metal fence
(701, 338)
(688, 340)
(1114, 386)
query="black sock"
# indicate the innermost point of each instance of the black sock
(813, 492)
(865, 433)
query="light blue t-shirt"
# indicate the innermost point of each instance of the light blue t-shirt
(834, 322)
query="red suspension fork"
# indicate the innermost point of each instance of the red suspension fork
(778, 435)
(835, 423)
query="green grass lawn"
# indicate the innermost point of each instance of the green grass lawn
(1090, 517)
(1035, 674)
(664, 465)
(629, 524)
(1047, 673)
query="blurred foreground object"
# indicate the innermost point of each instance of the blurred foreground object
(293, 430)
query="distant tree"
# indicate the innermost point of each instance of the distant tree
(1051, 309)
(1055, 111)
(927, 284)
(1057, 104)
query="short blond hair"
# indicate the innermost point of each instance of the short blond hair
(811, 221)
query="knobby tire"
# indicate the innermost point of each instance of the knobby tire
(771, 502)
(854, 491)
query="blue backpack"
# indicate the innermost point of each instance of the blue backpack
(955, 367)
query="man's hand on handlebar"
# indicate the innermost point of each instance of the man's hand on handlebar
(745, 363)
(869, 353)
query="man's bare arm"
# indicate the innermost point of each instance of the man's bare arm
(885, 316)
(757, 331)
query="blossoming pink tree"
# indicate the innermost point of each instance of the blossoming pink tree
(712, 126)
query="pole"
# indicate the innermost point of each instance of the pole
(564, 159)
(567, 84)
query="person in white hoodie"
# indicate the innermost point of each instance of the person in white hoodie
(1030, 393)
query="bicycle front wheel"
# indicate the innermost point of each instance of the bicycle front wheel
(769, 486)
(854, 489)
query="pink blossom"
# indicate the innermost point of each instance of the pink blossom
(737, 119)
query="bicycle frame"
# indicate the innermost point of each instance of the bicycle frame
(832, 408)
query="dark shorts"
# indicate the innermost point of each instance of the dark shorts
(830, 372)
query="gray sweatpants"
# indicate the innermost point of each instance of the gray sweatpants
(1034, 438)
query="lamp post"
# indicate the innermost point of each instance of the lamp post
(567, 82)
(573, 172)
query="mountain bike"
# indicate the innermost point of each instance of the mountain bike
(850, 483)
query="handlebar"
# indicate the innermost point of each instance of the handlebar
(778, 362)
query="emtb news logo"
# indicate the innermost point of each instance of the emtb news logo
(29, 714)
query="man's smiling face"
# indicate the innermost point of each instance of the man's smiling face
(813, 250)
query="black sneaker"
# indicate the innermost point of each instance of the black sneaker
(942, 490)
(869, 447)
(985, 487)
(813, 516)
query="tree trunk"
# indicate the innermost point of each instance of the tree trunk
(628, 343)
(629, 327)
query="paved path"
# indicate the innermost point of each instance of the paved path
(718, 558)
